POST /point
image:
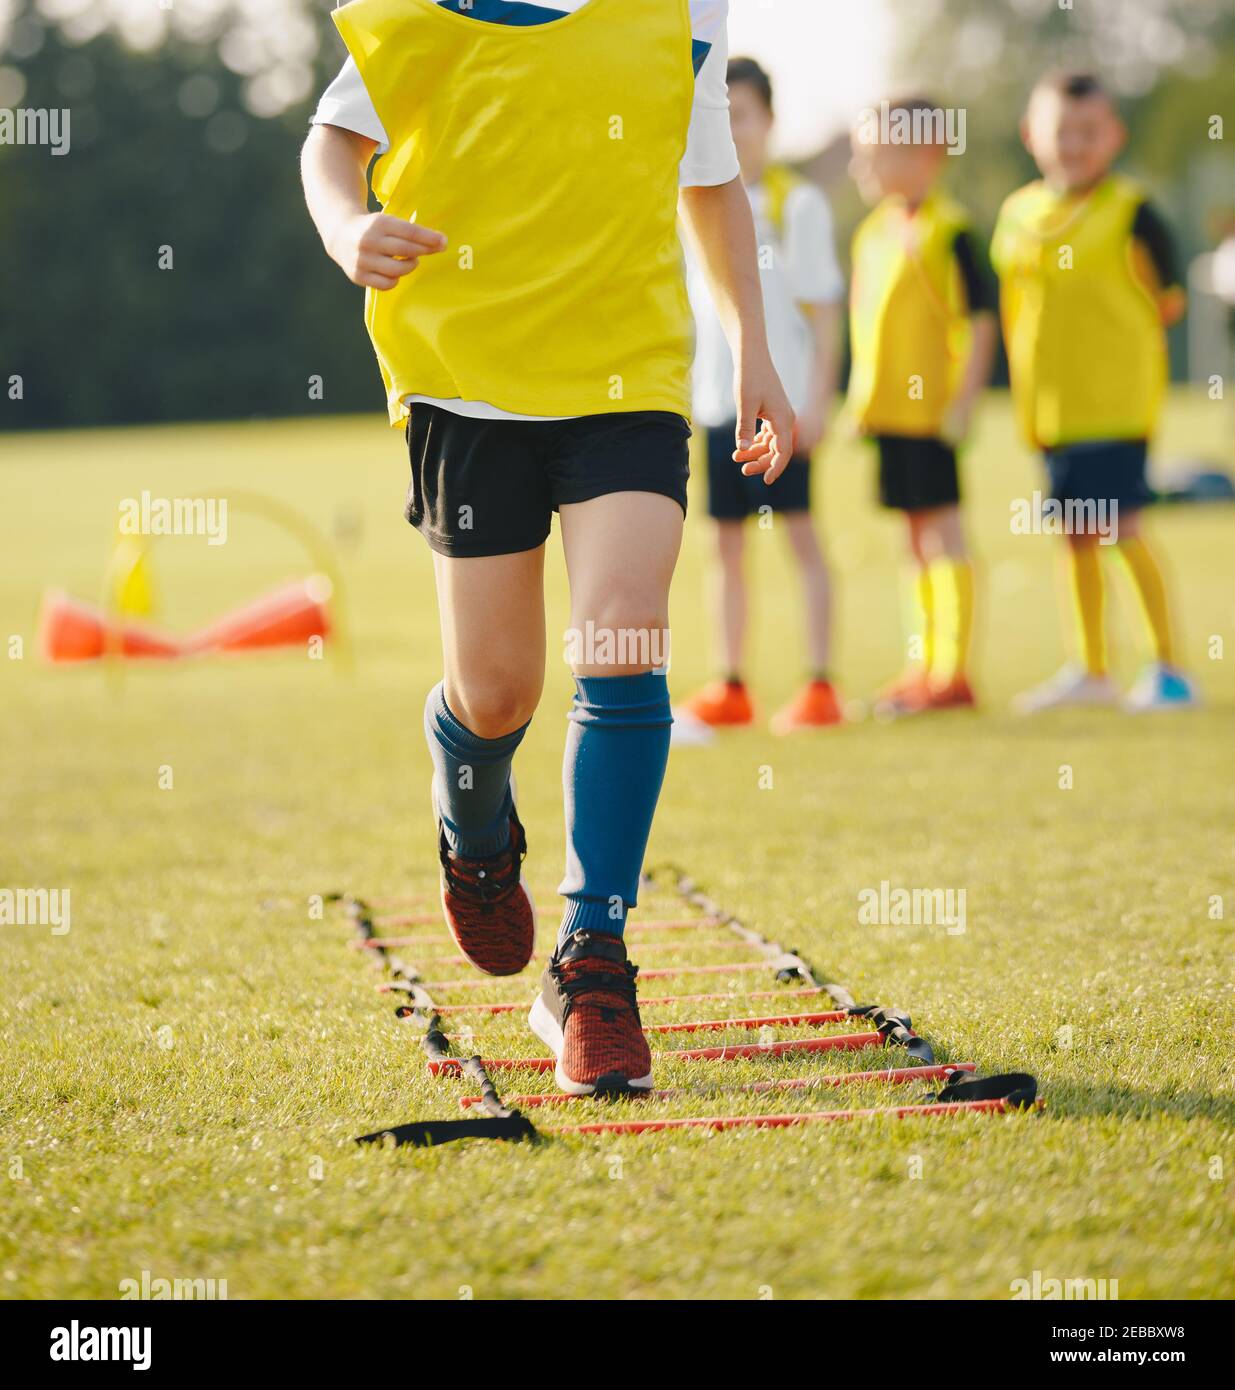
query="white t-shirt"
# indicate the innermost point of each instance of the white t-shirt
(800, 268)
(710, 155)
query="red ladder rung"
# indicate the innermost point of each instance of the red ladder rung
(657, 974)
(784, 993)
(847, 1042)
(810, 1117)
(895, 1076)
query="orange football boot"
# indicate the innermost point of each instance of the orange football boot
(956, 693)
(815, 706)
(909, 693)
(722, 705)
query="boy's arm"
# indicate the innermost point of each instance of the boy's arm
(813, 424)
(371, 248)
(981, 301)
(1153, 237)
(722, 232)
(818, 284)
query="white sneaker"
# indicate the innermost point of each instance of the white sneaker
(688, 731)
(1160, 687)
(1072, 686)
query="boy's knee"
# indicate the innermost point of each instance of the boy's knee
(496, 704)
(625, 632)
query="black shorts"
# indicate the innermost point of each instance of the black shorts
(1102, 470)
(732, 496)
(917, 474)
(490, 487)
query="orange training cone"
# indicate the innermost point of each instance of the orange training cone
(70, 630)
(285, 617)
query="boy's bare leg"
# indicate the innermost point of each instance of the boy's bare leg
(492, 611)
(816, 588)
(815, 705)
(493, 646)
(621, 550)
(731, 595)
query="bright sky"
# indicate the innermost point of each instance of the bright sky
(828, 59)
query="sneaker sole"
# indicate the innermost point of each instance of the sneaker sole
(546, 1028)
(1160, 706)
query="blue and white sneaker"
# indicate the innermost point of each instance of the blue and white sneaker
(1161, 687)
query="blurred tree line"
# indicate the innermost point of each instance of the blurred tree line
(166, 151)
(181, 139)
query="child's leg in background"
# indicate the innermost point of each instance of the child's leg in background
(732, 602)
(493, 646)
(1149, 585)
(1089, 600)
(621, 549)
(816, 589)
(942, 539)
(919, 597)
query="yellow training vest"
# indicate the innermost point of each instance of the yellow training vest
(779, 181)
(1086, 346)
(548, 155)
(909, 325)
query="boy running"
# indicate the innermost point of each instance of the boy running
(1089, 281)
(924, 333)
(526, 302)
(802, 290)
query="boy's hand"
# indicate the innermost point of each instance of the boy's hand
(761, 399)
(812, 427)
(956, 422)
(376, 250)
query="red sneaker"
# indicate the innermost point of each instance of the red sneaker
(815, 706)
(588, 1014)
(909, 693)
(723, 704)
(954, 694)
(487, 908)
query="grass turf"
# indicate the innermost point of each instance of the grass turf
(184, 1070)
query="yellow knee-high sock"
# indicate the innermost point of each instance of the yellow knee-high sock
(1089, 598)
(1151, 590)
(920, 618)
(953, 587)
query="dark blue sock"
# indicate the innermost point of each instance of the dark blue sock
(471, 781)
(617, 748)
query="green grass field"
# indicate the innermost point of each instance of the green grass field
(182, 1073)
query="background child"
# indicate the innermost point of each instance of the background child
(802, 289)
(923, 334)
(1089, 280)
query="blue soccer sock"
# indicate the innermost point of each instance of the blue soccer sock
(471, 780)
(617, 748)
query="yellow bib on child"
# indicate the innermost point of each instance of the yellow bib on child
(548, 155)
(909, 325)
(1086, 346)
